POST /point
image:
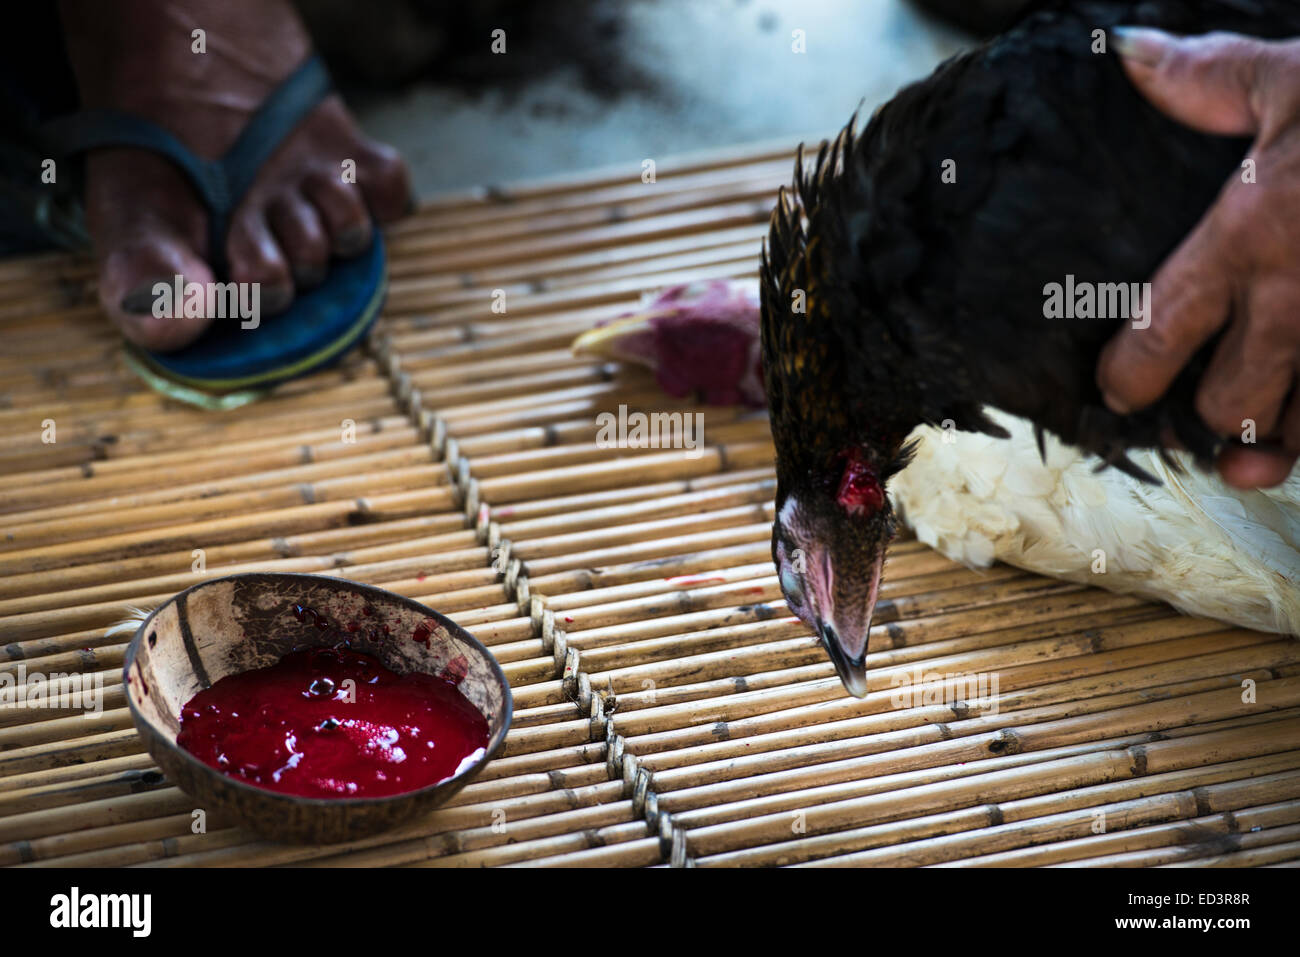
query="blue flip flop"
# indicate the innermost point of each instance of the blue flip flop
(230, 365)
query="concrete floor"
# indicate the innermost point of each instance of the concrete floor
(723, 73)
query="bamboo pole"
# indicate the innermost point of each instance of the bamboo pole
(314, 476)
(793, 794)
(675, 727)
(97, 480)
(343, 545)
(1036, 825)
(1256, 848)
(1232, 799)
(999, 786)
(228, 529)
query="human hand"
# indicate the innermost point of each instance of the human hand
(1239, 269)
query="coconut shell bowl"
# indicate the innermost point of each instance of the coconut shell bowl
(230, 625)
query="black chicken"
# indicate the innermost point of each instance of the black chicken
(892, 297)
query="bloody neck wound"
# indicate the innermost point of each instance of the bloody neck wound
(860, 491)
(332, 722)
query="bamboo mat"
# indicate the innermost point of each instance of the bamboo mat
(669, 711)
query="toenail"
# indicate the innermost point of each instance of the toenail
(276, 298)
(309, 276)
(139, 301)
(352, 240)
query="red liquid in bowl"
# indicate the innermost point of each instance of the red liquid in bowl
(331, 722)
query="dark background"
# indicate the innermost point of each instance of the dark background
(588, 83)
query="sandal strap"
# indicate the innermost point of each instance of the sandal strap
(220, 183)
(279, 115)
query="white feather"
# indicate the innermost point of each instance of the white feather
(129, 624)
(1192, 541)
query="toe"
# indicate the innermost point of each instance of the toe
(342, 209)
(255, 257)
(385, 181)
(148, 231)
(302, 237)
(137, 276)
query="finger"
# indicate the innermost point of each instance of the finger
(1249, 376)
(1290, 430)
(1262, 467)
(1190, 299)
(1209, 82)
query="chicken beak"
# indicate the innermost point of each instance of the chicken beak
(852, 671)
(844, 631)
(618, 339)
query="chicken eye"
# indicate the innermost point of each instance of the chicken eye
(792, 585)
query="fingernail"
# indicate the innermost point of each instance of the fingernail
(1114, 404)
(1141, 44)
(309, 276)
(352, 240)
(139, 301)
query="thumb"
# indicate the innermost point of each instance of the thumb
(1221, 83)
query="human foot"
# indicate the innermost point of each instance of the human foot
(148, 225)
